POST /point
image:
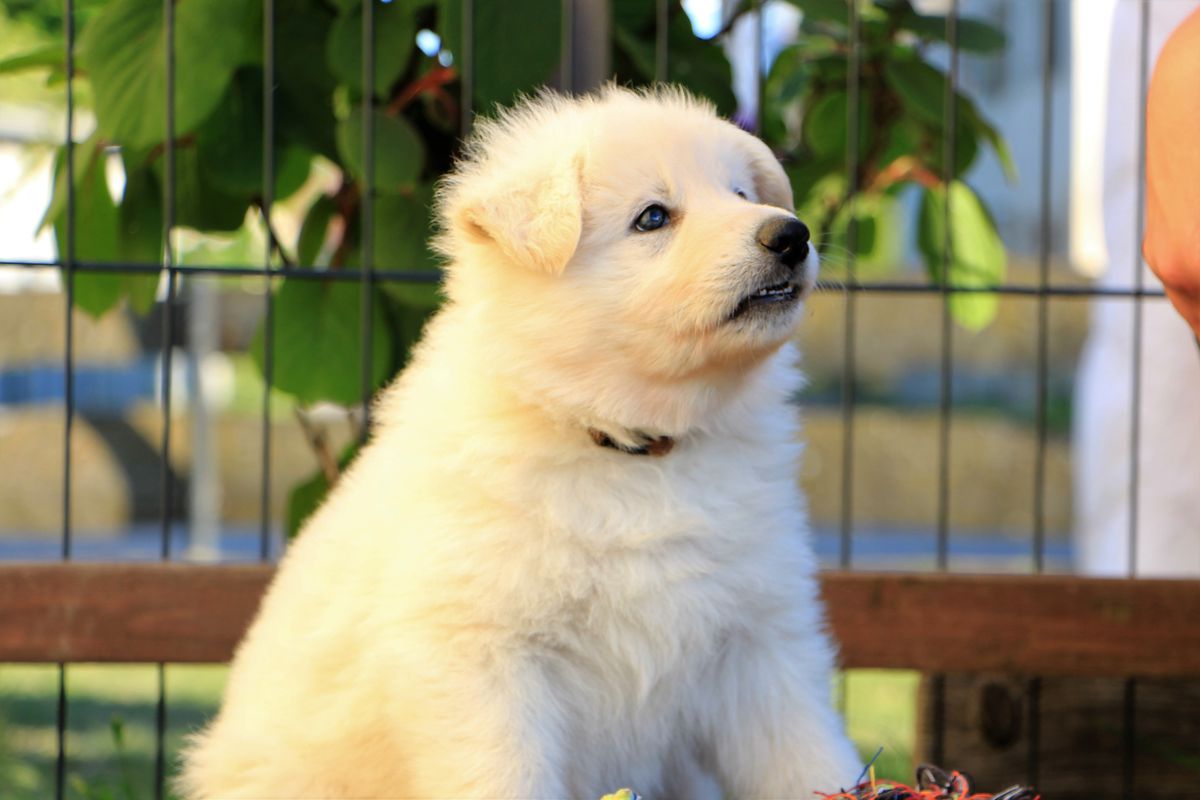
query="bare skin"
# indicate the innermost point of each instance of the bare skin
(1172, 242)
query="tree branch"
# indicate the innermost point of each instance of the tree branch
(271, 237)
(320, 447)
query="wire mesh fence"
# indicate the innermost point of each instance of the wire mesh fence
(1038, 292)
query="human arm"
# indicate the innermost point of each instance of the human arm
(1172, 242)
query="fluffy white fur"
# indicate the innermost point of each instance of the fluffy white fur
(490, 604)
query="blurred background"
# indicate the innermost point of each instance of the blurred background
(199, 296)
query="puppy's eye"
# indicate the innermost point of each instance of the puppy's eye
(740, 194)
(652, 218)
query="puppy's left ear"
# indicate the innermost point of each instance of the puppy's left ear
(535, 217)
(771, 183)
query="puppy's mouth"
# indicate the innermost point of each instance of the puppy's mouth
(769, 299)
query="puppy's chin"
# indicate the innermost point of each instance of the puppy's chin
(763, 318)
(769, 309)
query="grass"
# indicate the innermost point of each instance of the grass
(111, 725)
(880, 707)
(110, 738)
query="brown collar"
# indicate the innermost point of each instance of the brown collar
(651, 445)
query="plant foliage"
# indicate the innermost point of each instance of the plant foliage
(911, 128)
(411, 101)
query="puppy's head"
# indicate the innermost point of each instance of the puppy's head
(627, 240)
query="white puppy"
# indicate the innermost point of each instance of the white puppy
(573, 556)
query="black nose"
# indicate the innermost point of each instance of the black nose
(786, 236)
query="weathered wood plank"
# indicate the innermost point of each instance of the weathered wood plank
(1081, 749)
(1034, 625)
(1048, 625)
(126, 612)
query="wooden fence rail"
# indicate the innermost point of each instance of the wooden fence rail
(1044, 625)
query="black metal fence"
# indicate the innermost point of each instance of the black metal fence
(1044, 292)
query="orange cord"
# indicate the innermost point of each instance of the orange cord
(958, 790)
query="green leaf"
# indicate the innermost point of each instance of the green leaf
(292, 167)
(229, 144)
(247, 246)
(817, 186)
(697, 64)
(787, 82)
(198, 203)
(966, 147)
(640, 52)
(837, 11)
(903, 138)
(95, 233)
(402, 227)
(971, 117)
(632, 15)
(878, 240)
(48, 56)
(102, 233)
(395, 39)
(306, 496)
(700, 65)
(318, 341)
(123, 50)
(972, 35)
(406, 322)
(399, 150)
(517, 46)
(314, 230)
(140, 214)
(84, 154)
(977, 258)
(920, 87)
(826, 126)
(304, 103)
(790, 73)
(810, 182)
(140, 234)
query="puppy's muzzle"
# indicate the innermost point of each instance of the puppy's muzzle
(787, 237)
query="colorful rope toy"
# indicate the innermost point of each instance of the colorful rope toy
(932, 784)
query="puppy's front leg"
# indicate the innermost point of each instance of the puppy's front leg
(486, 730)
(775, 733)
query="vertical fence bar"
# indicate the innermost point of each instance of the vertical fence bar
(1129, 704)
(1139, 285)
(662, 22)
(466, 61)
(946, 399)
(68, 268)
(1044, 235)
(850, 298)
(849, 307)
(268, 200)
(1049, 31)
(168, 310)
(567, 45)
(160, 716)
(759, 49)
(368, 212)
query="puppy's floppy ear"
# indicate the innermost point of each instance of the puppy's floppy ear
(534, 216)
(771, 183)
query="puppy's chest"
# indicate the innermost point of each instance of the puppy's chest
(689, 500)
(647, 566)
